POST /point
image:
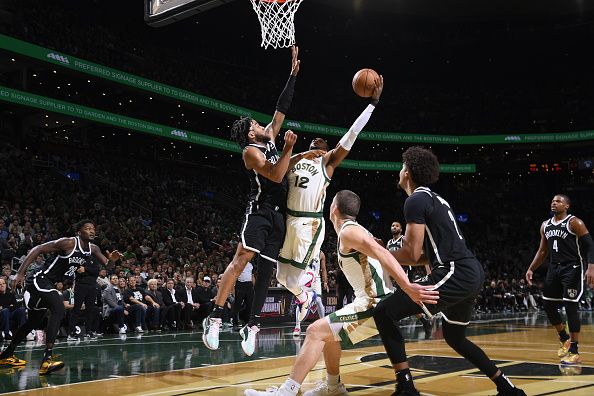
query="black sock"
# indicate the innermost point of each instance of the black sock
(573, 347)
(47, 354)
(405, 379)
(503, 383)
(217, 312)
(563, 336)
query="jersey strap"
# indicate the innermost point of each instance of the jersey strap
(344, 225)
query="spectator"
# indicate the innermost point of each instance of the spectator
(170, 300)
(113, 304)
(9, 311)
(134, 297)
(189, 296)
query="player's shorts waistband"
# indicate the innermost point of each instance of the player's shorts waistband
(296, 213)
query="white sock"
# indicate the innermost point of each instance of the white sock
(290, 387)
(333, 380)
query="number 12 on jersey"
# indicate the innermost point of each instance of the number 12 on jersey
(301, 181)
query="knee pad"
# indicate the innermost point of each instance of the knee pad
(550, 308)
(573, 318)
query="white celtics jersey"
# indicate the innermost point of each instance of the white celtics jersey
(307, 188)
(365, 274)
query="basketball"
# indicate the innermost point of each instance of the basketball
(363, 82)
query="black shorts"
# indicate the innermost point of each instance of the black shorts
(40, 293)
(564, 282)
(458, 284)
(263, 232)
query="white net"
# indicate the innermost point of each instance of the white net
(277, 21)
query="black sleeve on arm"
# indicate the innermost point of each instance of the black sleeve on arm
(415, 208)
(588, 245)
(286, 97)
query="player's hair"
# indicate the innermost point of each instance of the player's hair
(422, 165)
(348, 203)
(565, 198)
(78, 226)
(239, 131)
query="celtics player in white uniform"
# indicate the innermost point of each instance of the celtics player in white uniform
(305, 228)
(311, 280)
(366, 264)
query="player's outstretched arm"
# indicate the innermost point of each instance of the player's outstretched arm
(254, 159)
(578, 227)
(104, 259)
(356, 238)
(333, 159)
(539, 257)
(61, 245)
(286, 97)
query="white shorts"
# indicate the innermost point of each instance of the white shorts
(303, 240)
(354, 322)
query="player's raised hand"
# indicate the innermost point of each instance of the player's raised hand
(18, 279)
(529, 277)
(378, 88)
(295, 62)
(113, 256)
(311, 154)
(422, 294)
(290, 139)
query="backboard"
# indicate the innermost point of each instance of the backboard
(164, 12)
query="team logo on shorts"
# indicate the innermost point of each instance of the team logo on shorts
(572, 293)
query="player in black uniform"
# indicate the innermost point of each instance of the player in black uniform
(263, 228)
(560, 239)
(457, 275)
(394, 244)
(72, 255)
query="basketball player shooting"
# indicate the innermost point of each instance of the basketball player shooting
(264, 227)
(308, 180)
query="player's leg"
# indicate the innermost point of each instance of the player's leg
(573, 289)
(297, 329)
(552, 297)
(427, 325)
(79, 298)
(318, 334)
(51, 300)
(456, 319)
(274, 235)
(293, 250)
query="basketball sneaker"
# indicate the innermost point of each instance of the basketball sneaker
(402, 391)
(272, 391)
(563, 348)
(50, 365)
(304, 306)
(513, 392)
(296, 331)
(323, 389)
(248, 339)
(571, 358)
(210, 336)
(12, 361)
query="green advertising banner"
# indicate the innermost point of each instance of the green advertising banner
(120, 121)
(93, 69)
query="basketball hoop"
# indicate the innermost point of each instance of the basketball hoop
(277, 21)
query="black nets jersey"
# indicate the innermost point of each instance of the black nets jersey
(395, 244)
(263, 190)
(562, 242)
(444, 241)
(60, 267)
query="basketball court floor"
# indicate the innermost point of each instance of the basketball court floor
(167, 364)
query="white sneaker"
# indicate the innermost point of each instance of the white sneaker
(138, 329)
(248, 342)
(304, 307)
(296, 331)
(323, 389)
(273, 391)
(31, 335)
(123, 330)
(210, 336)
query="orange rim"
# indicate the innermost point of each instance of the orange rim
(274, 1)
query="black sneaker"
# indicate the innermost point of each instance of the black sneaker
(512, 392)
